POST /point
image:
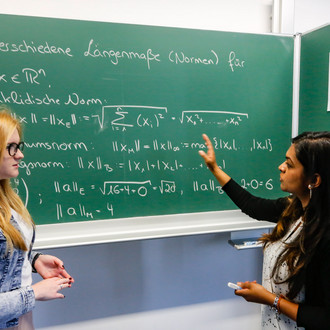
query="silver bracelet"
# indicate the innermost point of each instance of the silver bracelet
(275, 303)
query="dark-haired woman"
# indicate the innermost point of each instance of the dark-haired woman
(295, 291)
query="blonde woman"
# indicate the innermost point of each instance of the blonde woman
(17, 232)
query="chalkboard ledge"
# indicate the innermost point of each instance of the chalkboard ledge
(138, 228)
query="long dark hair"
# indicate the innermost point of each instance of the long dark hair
(313, 152)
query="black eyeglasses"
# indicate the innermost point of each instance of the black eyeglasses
(13, 147)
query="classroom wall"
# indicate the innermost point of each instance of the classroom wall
(235, 15)
(299, 16)
(309, 14)
(159, 284)
(174, 283)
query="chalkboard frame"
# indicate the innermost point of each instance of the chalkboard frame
(141, 228)
(146, 227)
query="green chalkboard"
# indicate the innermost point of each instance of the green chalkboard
(314, 107)
(114, 114)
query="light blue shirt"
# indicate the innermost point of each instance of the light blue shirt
(14, 299)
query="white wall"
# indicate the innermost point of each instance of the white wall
(233, 15)
(310, 14)
(299, 16)
(176, 283)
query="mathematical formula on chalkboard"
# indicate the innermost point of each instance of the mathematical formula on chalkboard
(133, 157)
(113, 115)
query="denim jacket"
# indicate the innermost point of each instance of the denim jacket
(14, 300)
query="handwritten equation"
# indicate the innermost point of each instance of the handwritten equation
(124, 117)
(118, 189)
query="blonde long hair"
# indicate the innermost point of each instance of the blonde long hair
(8, 198)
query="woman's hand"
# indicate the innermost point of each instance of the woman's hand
(49, 266)
(209, 157)
(211, 162)
(254, 292)
(48, 289)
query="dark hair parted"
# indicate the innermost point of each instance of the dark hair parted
(313, 152)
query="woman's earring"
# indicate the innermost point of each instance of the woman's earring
(310, 187)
